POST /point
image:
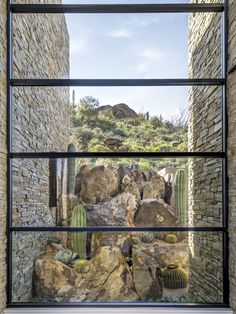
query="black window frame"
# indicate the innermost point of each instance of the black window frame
(11, 82)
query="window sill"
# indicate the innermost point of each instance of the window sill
(137, 310)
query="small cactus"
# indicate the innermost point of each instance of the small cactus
(71, 171)
(174, 277)
(171, 238)
(79, 219)
(147, 237)
(81, 266)
(64, 256)
(54, 240)
(180, 188)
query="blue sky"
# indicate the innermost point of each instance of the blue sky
(130, 46)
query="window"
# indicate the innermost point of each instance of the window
(115, 195)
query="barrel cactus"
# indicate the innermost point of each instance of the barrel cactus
(147, 237)
(64, 256)
(79, 219)
(171, 238)
(81, 266)
(71, 171)
(180, 188)
(175, 277)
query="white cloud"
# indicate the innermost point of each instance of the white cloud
(120, 33)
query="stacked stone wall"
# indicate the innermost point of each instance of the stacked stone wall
(40, 122)
(205, 206)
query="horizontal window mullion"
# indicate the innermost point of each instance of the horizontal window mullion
(116, 82)
(116, 229)
(117, 8)
(117, 154)
(178, 308)
(210, 308)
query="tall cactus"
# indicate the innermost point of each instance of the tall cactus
(71, 171)
(79, 219)
(181, 195)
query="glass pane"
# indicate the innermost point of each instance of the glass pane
(117, 118)
(118, 192)
(109, 46)
(117, 267)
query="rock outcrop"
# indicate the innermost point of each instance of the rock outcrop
(147, 274)
(155, 212)
(119, 111)
(108, 280)
(98, 185)
(113, 212)
(50, 274)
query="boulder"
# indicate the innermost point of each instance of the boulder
(113, 212)
(50, 276)
(98, 185)
(163, 252)
(155, 212)
(149, 191)
(158, 184)
(108, 280)
(110, 239)
(147, 277)
(79, 178)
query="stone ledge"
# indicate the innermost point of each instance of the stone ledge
(135, 310)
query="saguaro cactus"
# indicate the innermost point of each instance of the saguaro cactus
(71, 171)
(181, 195)
(78, 219)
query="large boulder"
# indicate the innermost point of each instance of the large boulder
(155, 212)
(163, 252)
(149, 191)
(50, 275)
(79, 178)
(109, 239)
(158, 184)
(98, 185)
(113, 212)
(108, 280)
(147, 277)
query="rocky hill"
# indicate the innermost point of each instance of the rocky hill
(119, 111)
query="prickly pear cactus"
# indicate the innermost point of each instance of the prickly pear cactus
(81, 266)
(71, 171)
(64, 256)
(174, 277)
(171, 238)
(181, 195)
(79, 219)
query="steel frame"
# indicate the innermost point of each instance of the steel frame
(11, 82)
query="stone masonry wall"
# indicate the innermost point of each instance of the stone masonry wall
(3, 161)
(202, 34)
(40, 123)
(205, 133)
(231, 87)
